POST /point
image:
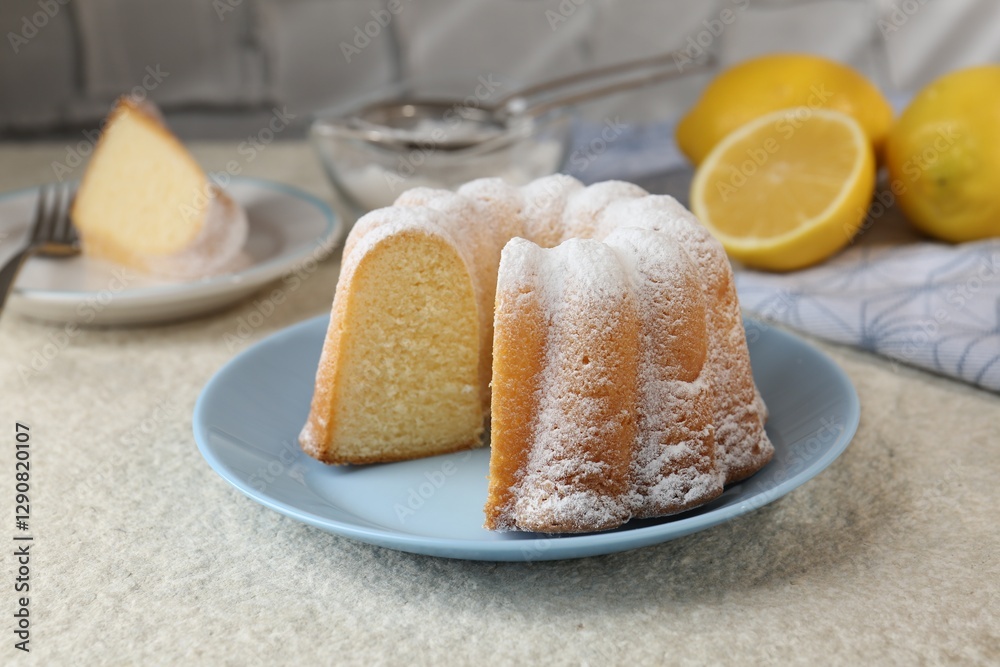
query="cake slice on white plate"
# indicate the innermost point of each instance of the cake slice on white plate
(144, 202)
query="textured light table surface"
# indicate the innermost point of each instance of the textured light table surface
(143, 555)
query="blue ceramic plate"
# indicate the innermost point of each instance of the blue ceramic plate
(248, 418)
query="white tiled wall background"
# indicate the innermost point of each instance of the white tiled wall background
(231, 60)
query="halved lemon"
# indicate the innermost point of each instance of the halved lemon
(788, 189)
(776, 81)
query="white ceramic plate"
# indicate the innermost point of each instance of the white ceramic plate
(288, 228)
(248, 418)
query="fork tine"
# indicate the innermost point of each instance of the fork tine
(63, 231)
(48, 225)
(41, 215)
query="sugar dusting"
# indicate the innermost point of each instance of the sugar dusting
(617, 256)
(572, 478)
(692, 436)
(743, 446)
(217, 246)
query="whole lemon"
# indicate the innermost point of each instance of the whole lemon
(943, 156)
(769, 83)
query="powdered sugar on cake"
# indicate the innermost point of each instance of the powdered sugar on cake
(217, 246)
(651, 265)
(643, 403)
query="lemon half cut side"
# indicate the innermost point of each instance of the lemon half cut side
(788, 189)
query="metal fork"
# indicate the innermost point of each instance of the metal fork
(51, 235)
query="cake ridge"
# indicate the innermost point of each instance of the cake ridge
(670, 466)
(577, 467)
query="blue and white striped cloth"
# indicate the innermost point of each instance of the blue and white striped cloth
(931, 305)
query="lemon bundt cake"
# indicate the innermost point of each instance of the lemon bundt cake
(145, 203)
(621, 378)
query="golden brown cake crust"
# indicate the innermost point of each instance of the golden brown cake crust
(602, 394)
(519, 342)
(634, 454)
(332, 458)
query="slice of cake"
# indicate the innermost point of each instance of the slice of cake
(144, 202)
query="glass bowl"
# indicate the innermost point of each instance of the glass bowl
(371, 158)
